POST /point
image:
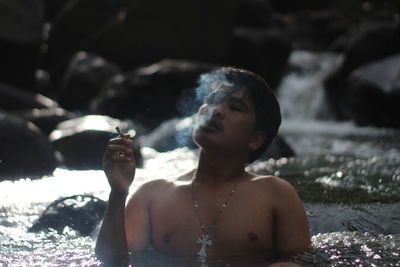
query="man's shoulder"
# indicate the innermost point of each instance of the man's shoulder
(152, 185)
(161, 185)
(269, 180)
(147, 191)
(273, 184)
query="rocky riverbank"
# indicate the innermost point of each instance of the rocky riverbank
(136, 63)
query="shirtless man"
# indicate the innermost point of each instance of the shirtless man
(224, 216)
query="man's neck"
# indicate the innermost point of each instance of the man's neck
(214, 169)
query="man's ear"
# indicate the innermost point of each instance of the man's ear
(257, 140)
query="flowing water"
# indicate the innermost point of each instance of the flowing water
(347, 176)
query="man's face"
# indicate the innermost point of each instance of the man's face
(225, 120)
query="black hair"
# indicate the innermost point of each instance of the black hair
(266, 106)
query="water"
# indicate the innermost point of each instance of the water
(348, 177)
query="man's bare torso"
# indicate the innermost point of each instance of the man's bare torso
(244, 230)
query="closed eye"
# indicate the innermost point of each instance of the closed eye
(235, 108)
(237, 104)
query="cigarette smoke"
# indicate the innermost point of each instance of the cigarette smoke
(191, 101)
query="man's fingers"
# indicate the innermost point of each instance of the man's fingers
(122, 148)
(126, 136)
(121, 140)
(118, 157)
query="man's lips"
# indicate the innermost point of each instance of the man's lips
(213, 124)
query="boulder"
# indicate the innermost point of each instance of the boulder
(279, 148)
(318, 30)
(263, 51)
(83, 80)
(21, 24)
(46, 119)
(21, 21)
(171, 134)
(25, 150)
(13, 98)
(350, 7)
(152, 94)
(254, 14)
(132, 33)
(81, 213)
(55, 7)
(374, 93)
(294, 6)
(82, 141)
(368, 42)
(335, 91)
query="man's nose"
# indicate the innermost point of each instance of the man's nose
(217, 110)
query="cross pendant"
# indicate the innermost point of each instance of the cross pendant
(204, 240)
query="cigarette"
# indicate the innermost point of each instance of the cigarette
(120, 153)
(119, 131)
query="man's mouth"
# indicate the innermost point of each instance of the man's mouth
(213, 124)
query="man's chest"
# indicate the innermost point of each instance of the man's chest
(243, 227)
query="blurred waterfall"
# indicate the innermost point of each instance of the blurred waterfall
(301, 93)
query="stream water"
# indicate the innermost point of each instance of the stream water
(347, 176)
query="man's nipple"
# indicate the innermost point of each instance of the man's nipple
(252, 236)
(166, 238)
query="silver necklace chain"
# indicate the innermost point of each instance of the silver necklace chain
(204, 240)
(223, 206)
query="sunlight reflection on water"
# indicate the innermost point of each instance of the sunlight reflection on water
(22, 201)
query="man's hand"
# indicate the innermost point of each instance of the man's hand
(119, 164)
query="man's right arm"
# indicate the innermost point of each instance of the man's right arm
(124, 229)
(119, 167)
(111, 244)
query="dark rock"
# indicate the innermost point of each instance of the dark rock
(152, 94)
(81, 213)
(327, 25)
(369, 42)
(294, 6)
(170, 135)
(82, 141)
(46, 119)
(83, 80)
(20, 35)
(384, 73)
(336, 90)
(318, 29)
(132, 33)
(25, 150)
(12, 98)
(19, 63)
(43, 83)
(374, 93)
(351, 8)
(253, 14)
(21, 21)
(262, 51)
(55, 8)
(279, 148)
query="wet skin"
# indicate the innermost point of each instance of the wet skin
(264, 220)
(245, 232)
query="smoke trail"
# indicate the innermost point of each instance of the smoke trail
(210, 84)
(191, 100)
